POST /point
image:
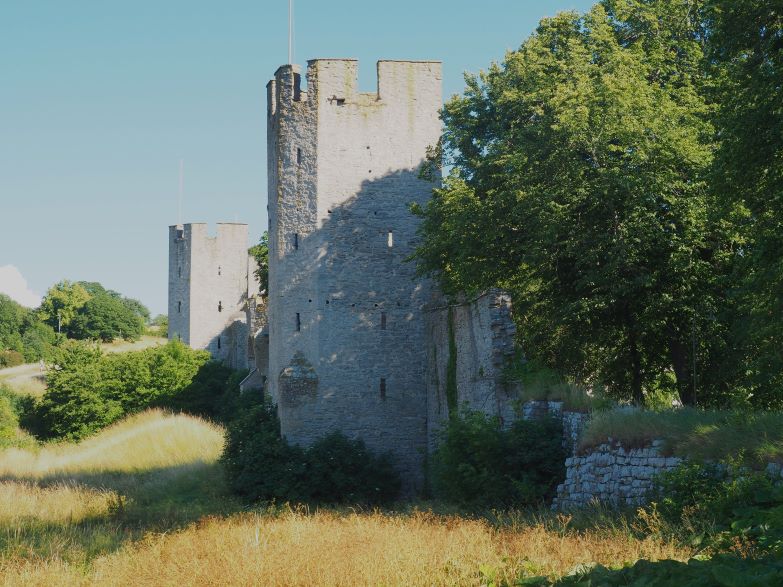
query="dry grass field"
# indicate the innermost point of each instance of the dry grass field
(144, 503)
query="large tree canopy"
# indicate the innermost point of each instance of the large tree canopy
(579, 183)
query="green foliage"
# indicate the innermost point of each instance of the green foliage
(106, 317)
(88, 390)
(542, 383)
(720, 571)
(61, 304)
(22, 333)
(160, 325)
(747, 51)
(480, 464)
(743, 510)
(10, 359)
(750, 438)
(213, 393)
(9, 417)
(260, 253)
(261, 465)
(621, 175)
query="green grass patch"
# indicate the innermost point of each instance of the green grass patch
(750, 438)
(540, 383)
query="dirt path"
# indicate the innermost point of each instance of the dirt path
(29, 379)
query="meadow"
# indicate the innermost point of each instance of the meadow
(144, 502)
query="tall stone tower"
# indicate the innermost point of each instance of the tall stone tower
(210, 282)
(346, 332)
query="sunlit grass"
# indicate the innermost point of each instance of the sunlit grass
(755, 438)
(144, 503)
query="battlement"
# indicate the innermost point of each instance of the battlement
(336, 82)
(201, 231)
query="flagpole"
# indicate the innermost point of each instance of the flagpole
(290, 31)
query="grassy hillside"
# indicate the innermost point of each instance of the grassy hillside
(144, 503)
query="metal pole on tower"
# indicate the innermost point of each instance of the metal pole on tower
(290, 32)
(181, 187)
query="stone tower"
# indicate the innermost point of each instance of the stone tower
(346, 330)
(210, 282)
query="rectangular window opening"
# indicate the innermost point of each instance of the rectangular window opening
(383, 320)
(218, 342)
(298, 156)
(390, 239)
(296, 241)
(298, 322)
(179, 307)
(383, 388)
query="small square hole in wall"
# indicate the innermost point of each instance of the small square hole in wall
(220, 306)
(220, 270)
(383, 388)
(340, 101)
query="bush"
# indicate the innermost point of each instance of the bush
(212, 394)
(723, 570)
(10, 359)
(479, 464)
(261, 465)
(88, 390)
(726, 507)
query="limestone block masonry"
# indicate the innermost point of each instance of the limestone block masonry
(210, 282)
(469, 346)
(345, 312)
(612, 474)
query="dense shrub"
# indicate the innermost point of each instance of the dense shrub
(10, 359)
(88, 390)
(737, 509)
(261, 465)
(480, 464)
(9, 418)
(720, 571)
(105, 317)
(212, 394)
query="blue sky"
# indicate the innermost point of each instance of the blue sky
(100, 99)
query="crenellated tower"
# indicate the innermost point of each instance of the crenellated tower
(210, 282)
(346, 329)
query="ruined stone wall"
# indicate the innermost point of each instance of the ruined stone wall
(612, 474)
(468, 346)
(346, 332)
(208, 290)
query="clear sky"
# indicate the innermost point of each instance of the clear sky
(100, 99)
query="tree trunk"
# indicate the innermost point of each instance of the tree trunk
(679, 357)
(636, 361)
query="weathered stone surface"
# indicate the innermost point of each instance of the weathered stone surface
(480, 333)
(210, 284)
(343, 171)
(613, 475)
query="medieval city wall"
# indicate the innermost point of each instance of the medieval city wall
(346, 333)
(208, 289)
(469, 346)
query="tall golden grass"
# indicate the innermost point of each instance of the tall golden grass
(67, 517)
(145, 442)
(327, 549)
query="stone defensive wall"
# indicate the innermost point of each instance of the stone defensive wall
(469, 345)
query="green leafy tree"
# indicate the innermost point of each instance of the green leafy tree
(578, 182)
(104, 317)
(12, 317)
(61, 304)
(746, 45)
(88, 390)
(260, 253)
